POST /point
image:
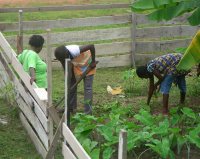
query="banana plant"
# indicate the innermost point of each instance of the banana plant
(168, 9)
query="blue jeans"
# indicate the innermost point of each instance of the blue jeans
(166, 84)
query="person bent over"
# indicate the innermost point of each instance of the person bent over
(164, 68)
(82, 57)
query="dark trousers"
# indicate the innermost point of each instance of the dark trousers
(88, 95)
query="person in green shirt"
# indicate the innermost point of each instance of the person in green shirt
(31, 61)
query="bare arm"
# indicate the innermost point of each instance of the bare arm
(151, 89)
(89, 47)
(32, 74)
(160, 78)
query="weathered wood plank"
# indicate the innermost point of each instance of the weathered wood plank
(67, 153)
(55, 140)
(66, 23)
(142, 59)
(166, 31)
(115, 59)
(30, 102)
(122, 146)
(39, 146)
(81, 36)
(108, 61)
(143, 19)
(11, 55)
(101, 49)
(160, 46)
(74, 144)
(33, 120)
(66, 7)
(117, 33)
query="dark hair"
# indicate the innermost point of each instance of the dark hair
(36, 41)
(142, 72)
(61, 53)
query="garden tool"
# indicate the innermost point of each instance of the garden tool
(89, 68)
(77, 82)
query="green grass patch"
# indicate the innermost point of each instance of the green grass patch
(14, 141)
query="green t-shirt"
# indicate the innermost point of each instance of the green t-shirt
(29, 58)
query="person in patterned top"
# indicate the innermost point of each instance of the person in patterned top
(164, 68)
(81, 57)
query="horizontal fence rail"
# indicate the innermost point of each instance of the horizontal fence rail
(115, 33)
(67, 23)
(67, 7)
(151, 37)
(89, 21)
(143, 19)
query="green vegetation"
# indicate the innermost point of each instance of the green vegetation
(159, 136)
(120, 111)
(166, 10)
(14, 141)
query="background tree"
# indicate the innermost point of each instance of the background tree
(168, 9)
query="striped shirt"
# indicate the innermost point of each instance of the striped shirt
(165, 64)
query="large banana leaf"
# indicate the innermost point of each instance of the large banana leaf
(194, 18)
(168, 9)
(192, 55)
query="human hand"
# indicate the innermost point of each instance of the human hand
(93, 64)
(156, 87)
(32, 80)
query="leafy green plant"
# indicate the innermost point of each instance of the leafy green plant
(180, 50)
(129, 78)
(166, 10)
(7, 92)
(154, 134)
(195, 91)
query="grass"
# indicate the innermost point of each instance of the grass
(14, 141)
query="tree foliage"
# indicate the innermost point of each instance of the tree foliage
(168, 9)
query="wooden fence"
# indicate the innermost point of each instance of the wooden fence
(136, 42)
(33, 113)
(36, 111)
(141, 38)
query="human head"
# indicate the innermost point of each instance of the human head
(61, 53)
(36, 42)
(142, 72)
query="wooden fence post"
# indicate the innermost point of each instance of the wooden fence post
(49, 69)
(21, 29)
(67, 89)
(51, 109)
(122, 149)
(49, 86)
(133, 36)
